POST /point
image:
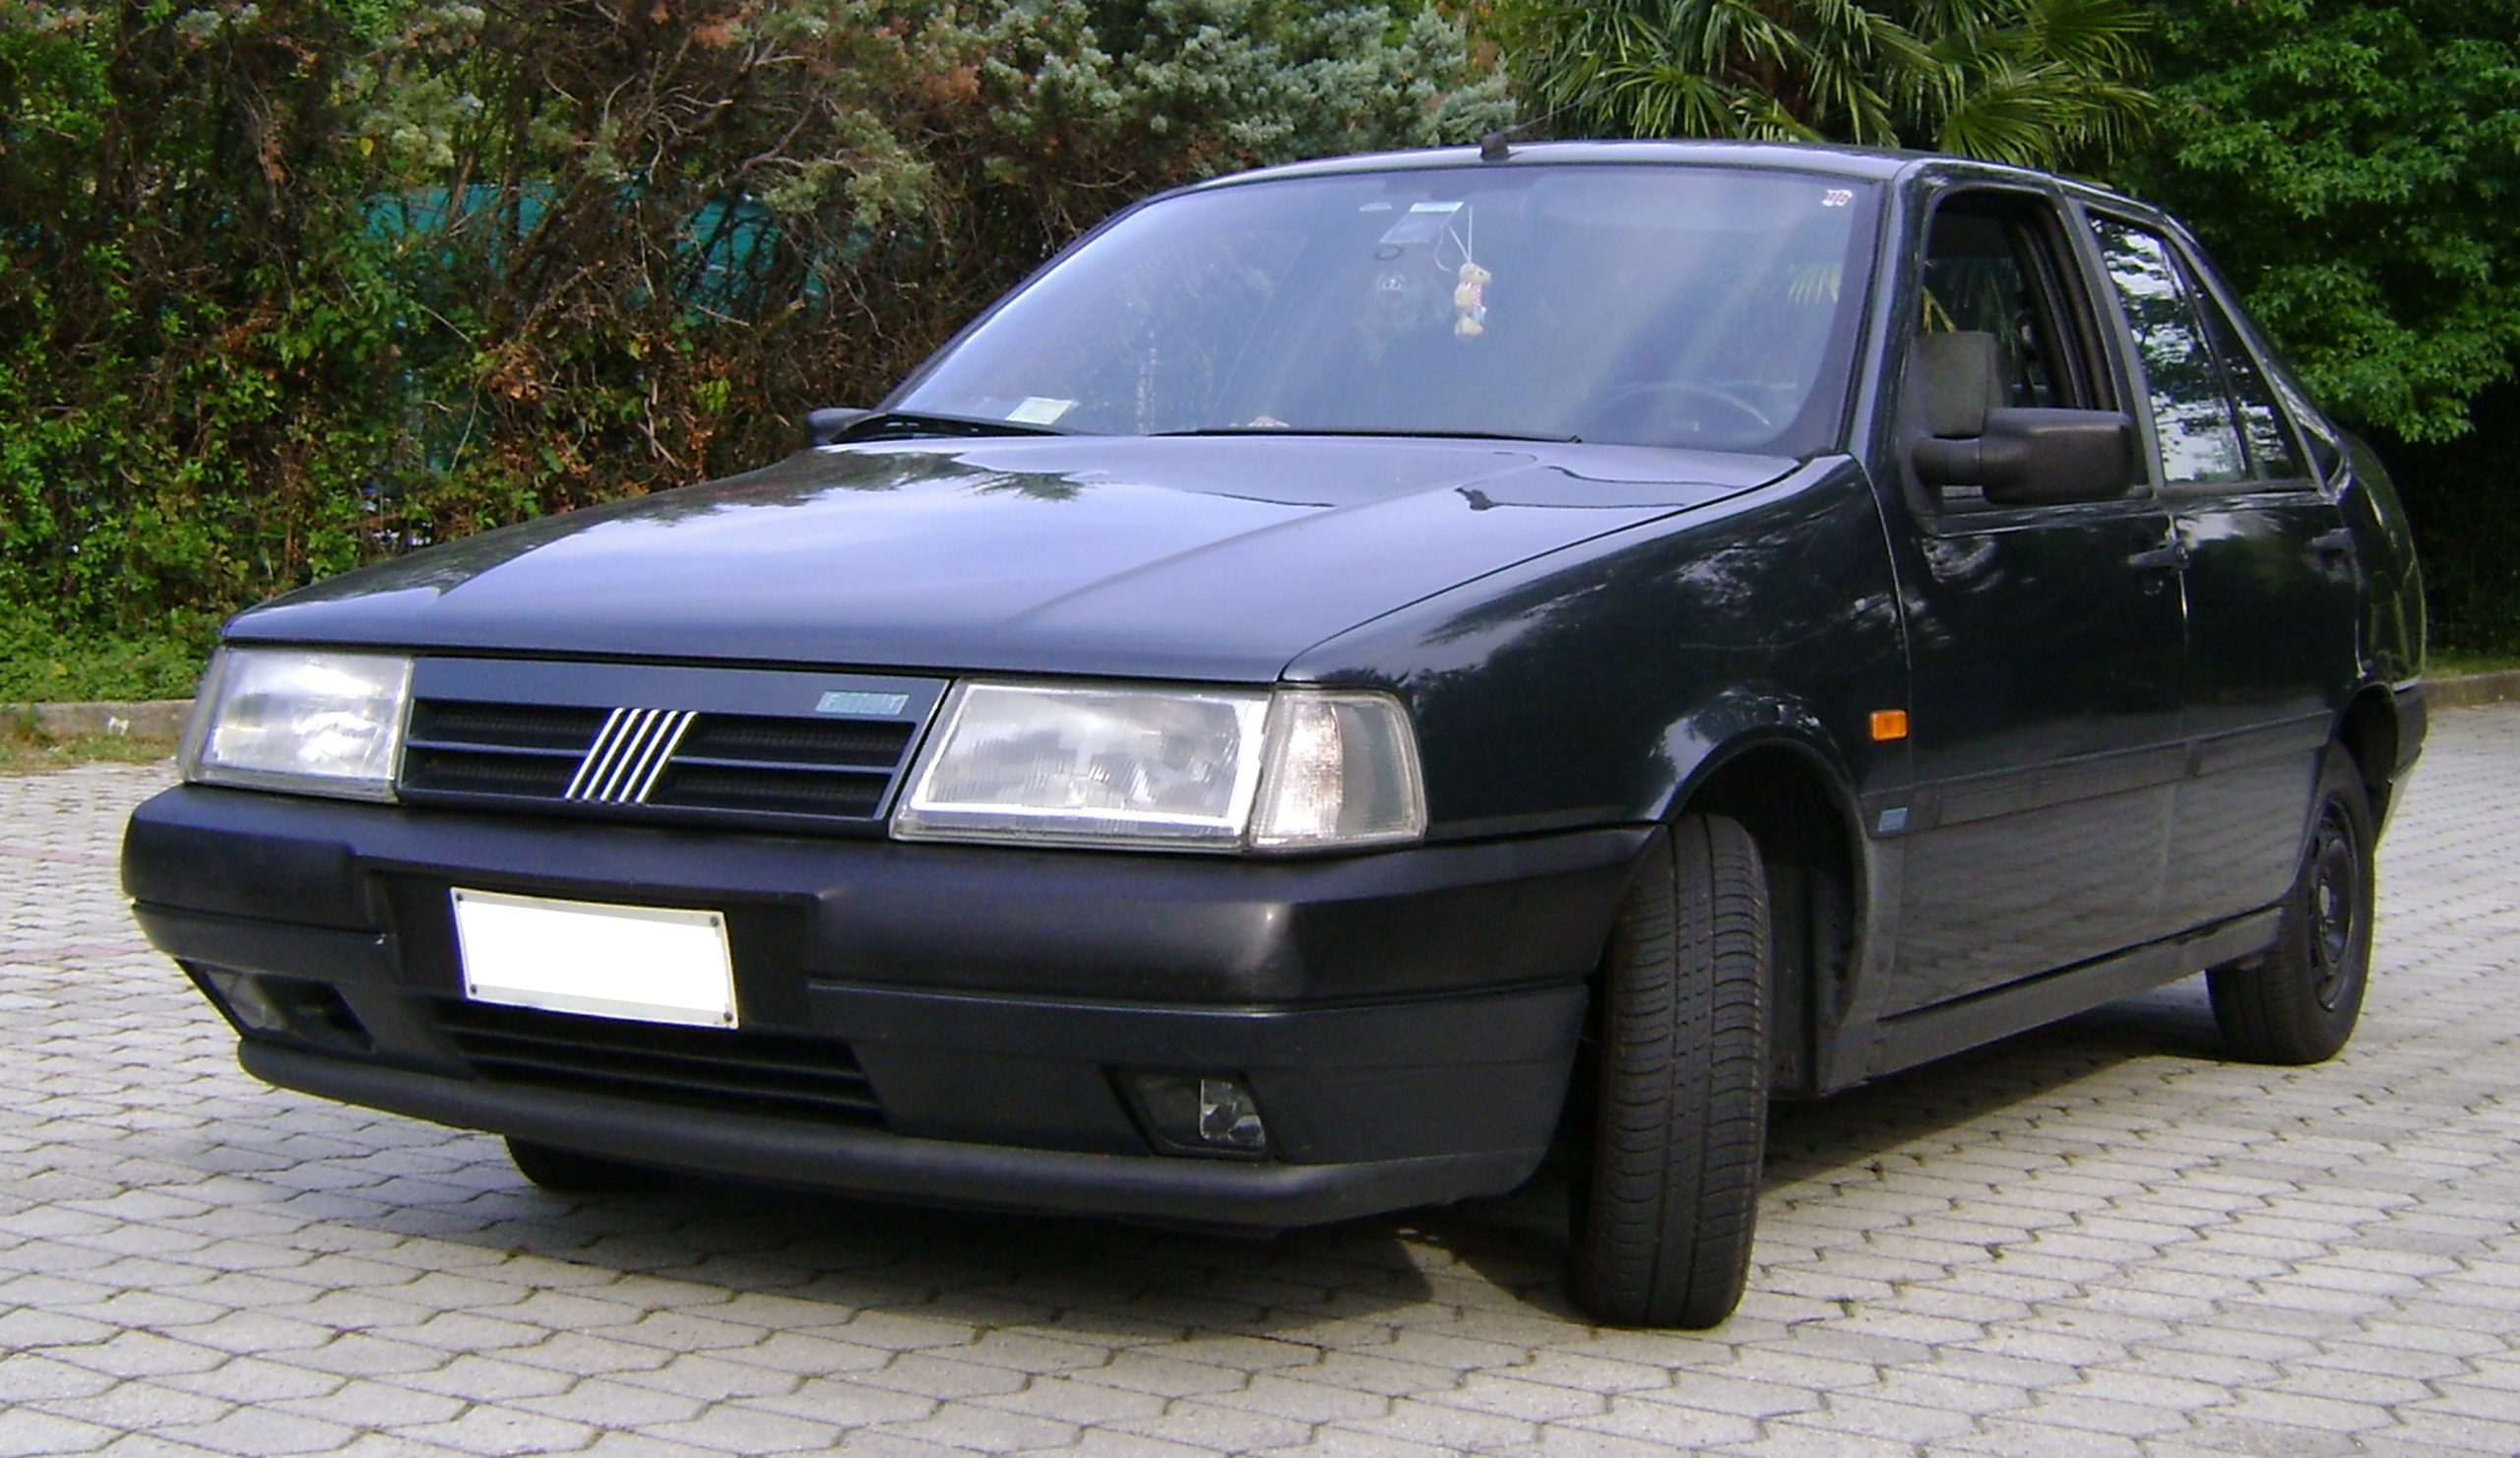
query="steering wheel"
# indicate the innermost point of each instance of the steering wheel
(1621, 406)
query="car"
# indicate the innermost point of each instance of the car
(1352, 679)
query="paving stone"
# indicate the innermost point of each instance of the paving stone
(23, 1431)
(263, 1430)
(136, 1406)
(728, 1428)
(500, 1431)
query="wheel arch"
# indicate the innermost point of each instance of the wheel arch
(1791, 797)
(2369, 730)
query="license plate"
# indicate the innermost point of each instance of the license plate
(647, 964)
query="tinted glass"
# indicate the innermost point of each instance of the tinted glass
(2198, 438)
(2271, 455)
(1645, 305)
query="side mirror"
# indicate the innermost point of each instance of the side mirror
(828, 424)
(2036, 457)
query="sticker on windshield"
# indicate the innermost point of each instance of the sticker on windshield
(1422, 223)
(1039, 409)
(1837, 197)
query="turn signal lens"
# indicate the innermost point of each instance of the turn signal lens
(1343, 771)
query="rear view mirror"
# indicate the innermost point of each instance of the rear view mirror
(2036, 457)
(2016, 456)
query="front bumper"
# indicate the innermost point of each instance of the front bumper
(1407, 1019)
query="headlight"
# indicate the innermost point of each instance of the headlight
(291, 719)
(1166, 769)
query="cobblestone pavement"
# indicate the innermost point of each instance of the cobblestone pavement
(2096, 1239)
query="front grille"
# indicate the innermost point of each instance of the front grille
(661, 1062)
(667, 744)
(840, 766)
(506, 750)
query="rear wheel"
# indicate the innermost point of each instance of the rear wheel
(2298, 1003)
(1663, 1214)
(575, 1171)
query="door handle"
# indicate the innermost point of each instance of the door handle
(2336, 544)
(2168, 559)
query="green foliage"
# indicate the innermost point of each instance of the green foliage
(291, 284)
(40, 665)
(2354, 168)
(2045, 83)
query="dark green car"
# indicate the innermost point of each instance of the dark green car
(1353, 676)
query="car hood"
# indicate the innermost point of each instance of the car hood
(1210, 558)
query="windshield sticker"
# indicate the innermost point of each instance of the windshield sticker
(1422, 223)
(1037, 409)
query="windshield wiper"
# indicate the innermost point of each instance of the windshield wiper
(1566, 440)
(927, 425)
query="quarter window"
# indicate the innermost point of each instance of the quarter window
(2271, 455)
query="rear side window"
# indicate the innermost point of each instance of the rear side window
(2193, 415)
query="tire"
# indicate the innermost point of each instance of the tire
(1663, 1214)
(575, 1173)
(2299, 1002)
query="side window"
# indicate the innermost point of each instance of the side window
(1986, 273)
(2200, 439)
(2004, 321)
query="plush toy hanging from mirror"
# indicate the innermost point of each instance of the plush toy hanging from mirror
(1469, 301)
(1469, 280)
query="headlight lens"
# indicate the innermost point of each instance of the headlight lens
(1166, 769)
(290, 719)
(1089, 766)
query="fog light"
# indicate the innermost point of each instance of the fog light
(1201, 1114)
(246, 1001)
(303, 1011)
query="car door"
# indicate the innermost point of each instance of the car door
(2045, 644)
(2271, 581)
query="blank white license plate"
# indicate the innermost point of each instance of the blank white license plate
(643, 963)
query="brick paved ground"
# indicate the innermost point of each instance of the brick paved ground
(2093, 1240)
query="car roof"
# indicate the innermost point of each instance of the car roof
(1862, 163)
(1849, 161)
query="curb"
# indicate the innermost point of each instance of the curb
(2469, 690)
(163, 719)
(138, 719)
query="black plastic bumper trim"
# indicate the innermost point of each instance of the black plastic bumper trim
(984, 920)
(251, 944)
(1509, 1025)
(872, 1162)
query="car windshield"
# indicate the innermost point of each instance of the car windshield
(1647, 305)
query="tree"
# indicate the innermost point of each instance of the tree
(2354, 168)
(2047, 83)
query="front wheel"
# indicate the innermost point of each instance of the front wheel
(2298, 1003)
(1663, 1214)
